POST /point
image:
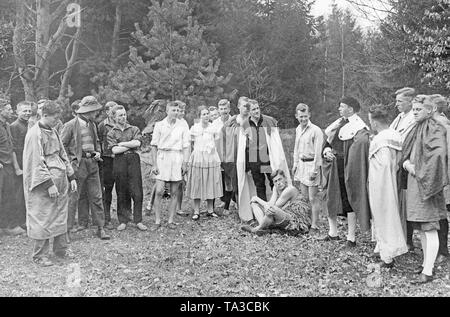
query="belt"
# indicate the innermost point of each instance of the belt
(126, 152)
(307, 159)
(87, 155)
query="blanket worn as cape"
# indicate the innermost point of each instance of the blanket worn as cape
(355, 173)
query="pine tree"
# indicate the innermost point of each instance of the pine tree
(175, 62)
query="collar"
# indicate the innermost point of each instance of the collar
(126, 126)
(259, 123)
(43, 126)
(353, 118)
(166, 120)
(109, 122)
(308, 125)
(83, 119)
(349, 130)
(22, 121)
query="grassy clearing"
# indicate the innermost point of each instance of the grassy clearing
(211, 257)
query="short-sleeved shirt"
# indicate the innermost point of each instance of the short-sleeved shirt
(171, 137)
(6, 145)
(117, 135)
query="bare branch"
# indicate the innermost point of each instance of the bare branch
(51, 46)
(59, 10)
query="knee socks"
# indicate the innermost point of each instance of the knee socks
(351, 221)
(430, 250)
(332, 222)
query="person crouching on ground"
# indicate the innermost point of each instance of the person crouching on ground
(204, 175)
(46, 173)
(124, 140)
(282, 211)
(424, 160)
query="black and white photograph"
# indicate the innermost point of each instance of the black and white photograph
(223, 155)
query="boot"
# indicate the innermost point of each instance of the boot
(102, 234)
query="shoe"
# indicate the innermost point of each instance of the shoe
(387, 265)
(375, 256)
(441, 258)
(155, 227)
(78, 228)
(350, 244)
(196, 216)
(410, 247)
(172, 226)
(330, 238)
(226, 212)
(221, 205)
(15, 231)
(418, 269)
(44, 261)
(121, 227)
(68, 255)
(102, 234)
(247, 228)
(182, 213)
(314, 230)
(212, 214)
(141, 226)
(68, 238)
(261, 232)
(109, 226)
(423, 278)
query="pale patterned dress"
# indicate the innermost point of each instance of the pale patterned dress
(204, 175)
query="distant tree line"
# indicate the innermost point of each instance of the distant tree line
(200, 51)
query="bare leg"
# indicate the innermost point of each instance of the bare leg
(315, 206)
(257, 212)
(180, 195)
(173, 200)
(305, 194)
(159, 191)
(210, 205)
(266, 222)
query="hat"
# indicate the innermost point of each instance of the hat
(351, 102)
(89, 104)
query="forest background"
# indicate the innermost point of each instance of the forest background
(200, 51)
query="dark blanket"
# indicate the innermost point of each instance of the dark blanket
(356, 167)
(430, 161)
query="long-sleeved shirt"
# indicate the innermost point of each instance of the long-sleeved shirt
(308, 144)
(6, 145)
(19, 129)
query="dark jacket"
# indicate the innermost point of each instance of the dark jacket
(71, 138)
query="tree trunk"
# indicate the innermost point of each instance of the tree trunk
(19, 49)
(63, 92)
(43, 21)
(116, 34)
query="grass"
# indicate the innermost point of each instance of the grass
(211, 257)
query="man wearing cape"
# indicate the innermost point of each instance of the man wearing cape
(345, 171)
(238, 137)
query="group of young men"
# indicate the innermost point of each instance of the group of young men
(390, 178)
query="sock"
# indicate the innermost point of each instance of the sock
(423, 241)
(432, 251)
(351, 221)
(332, 222)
